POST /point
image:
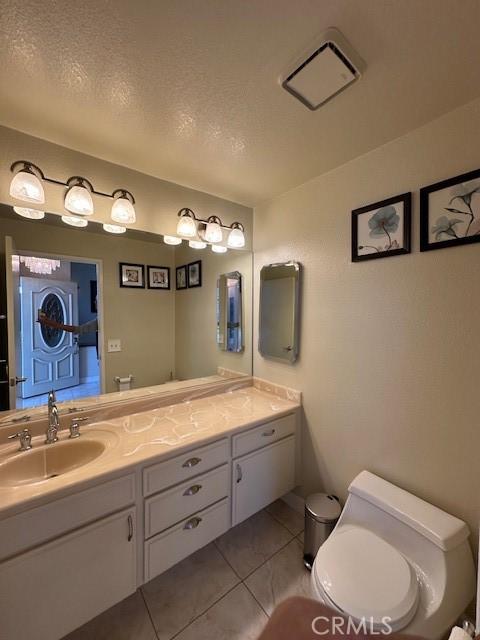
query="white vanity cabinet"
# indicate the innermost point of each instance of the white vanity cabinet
(50, 591)
(66, 561)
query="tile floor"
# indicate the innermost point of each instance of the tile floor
(225, 591)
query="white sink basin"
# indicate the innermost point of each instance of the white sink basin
(49, 461)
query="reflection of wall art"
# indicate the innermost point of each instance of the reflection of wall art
(382, 229)
(132, 275)
(182, 277)
(195, 274)
(158, 277)
(450, 212)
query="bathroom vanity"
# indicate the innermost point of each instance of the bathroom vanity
(167, 482)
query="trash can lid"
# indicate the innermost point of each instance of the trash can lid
(324, 508)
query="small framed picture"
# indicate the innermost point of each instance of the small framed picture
(195, 274)
(132, 275)
(450, 212)
(382, 229)
(181, 273)
(158, 277)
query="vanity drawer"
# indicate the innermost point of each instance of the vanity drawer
(264, 434)
(165, 474)
(178, 542)
(37, 525)
(169, 507)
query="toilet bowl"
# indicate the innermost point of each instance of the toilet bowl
(395, 563)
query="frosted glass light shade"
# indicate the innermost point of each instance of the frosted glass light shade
(172, 240)
(187, 227)
(213, 232)
(123, 211)
(73, 221)
(218, 248)
(27, 187)
(197, 244)
(31, 214)
(114, 228)
(236, 239)
(79, 200)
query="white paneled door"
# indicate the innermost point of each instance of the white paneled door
(49, 358)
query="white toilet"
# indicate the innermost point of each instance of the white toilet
(393, 556)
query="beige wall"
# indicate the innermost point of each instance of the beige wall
(197, 353)
(390, 356)
(157, 201)
(129, 314)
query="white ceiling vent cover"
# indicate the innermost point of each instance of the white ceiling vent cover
(324, 70)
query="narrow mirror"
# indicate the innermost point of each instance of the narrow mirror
(229, 312)
(279, 311)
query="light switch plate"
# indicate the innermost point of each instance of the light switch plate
(115, 344)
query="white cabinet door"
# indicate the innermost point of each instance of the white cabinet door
(261, 477)
(52, 590)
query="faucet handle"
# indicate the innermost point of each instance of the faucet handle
(75, 426)
(25, 439)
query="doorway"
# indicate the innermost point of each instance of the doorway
(63, 355)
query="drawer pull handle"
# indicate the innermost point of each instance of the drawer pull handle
(191, 491)
(130, 528)
(191, 462)
(270, 432)
(239, 473)
(192, 523)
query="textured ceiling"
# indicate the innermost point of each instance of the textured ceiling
(187, 90)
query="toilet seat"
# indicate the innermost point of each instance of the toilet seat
(362, 576)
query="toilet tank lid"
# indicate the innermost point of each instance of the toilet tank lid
(444, 530)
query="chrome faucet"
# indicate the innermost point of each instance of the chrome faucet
(25, 439)
(53, 419)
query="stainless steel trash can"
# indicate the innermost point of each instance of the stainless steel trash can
(321, 514)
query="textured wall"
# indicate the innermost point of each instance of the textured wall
(390, 356)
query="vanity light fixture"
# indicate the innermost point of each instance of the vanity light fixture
(74, 221)
(26, 184)
(114, 228)
(122, 209)
(78, 198)
(173, 240)
(186, 226)
(236, 237)
(31, 214)
(196, 244)
(218, 248)
(210, 230)
(213, 231)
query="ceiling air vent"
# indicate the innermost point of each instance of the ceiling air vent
(324, 70)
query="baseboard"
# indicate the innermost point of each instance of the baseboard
(295, 502)
(89, 380)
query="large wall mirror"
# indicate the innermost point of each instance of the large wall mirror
(144, 313)
(279, 311)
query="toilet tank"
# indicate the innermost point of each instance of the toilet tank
(440, 528)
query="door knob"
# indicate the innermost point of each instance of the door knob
(17, 380)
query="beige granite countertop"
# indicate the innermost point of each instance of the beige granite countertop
(147, 437)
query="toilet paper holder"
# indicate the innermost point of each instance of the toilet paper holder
(123, 381)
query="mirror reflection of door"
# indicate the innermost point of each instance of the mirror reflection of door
(230, 312)
(49, 357)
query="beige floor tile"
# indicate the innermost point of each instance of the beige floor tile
(252, 542)
(187, 590)
(293, 520)
(127, 620)
(301, 537)
(237, 616)
(282, 576)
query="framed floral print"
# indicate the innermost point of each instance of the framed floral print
(158, 277)
(195, 274)
(181, 277)
(450, 212)
(382, 229)
(132, 275)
